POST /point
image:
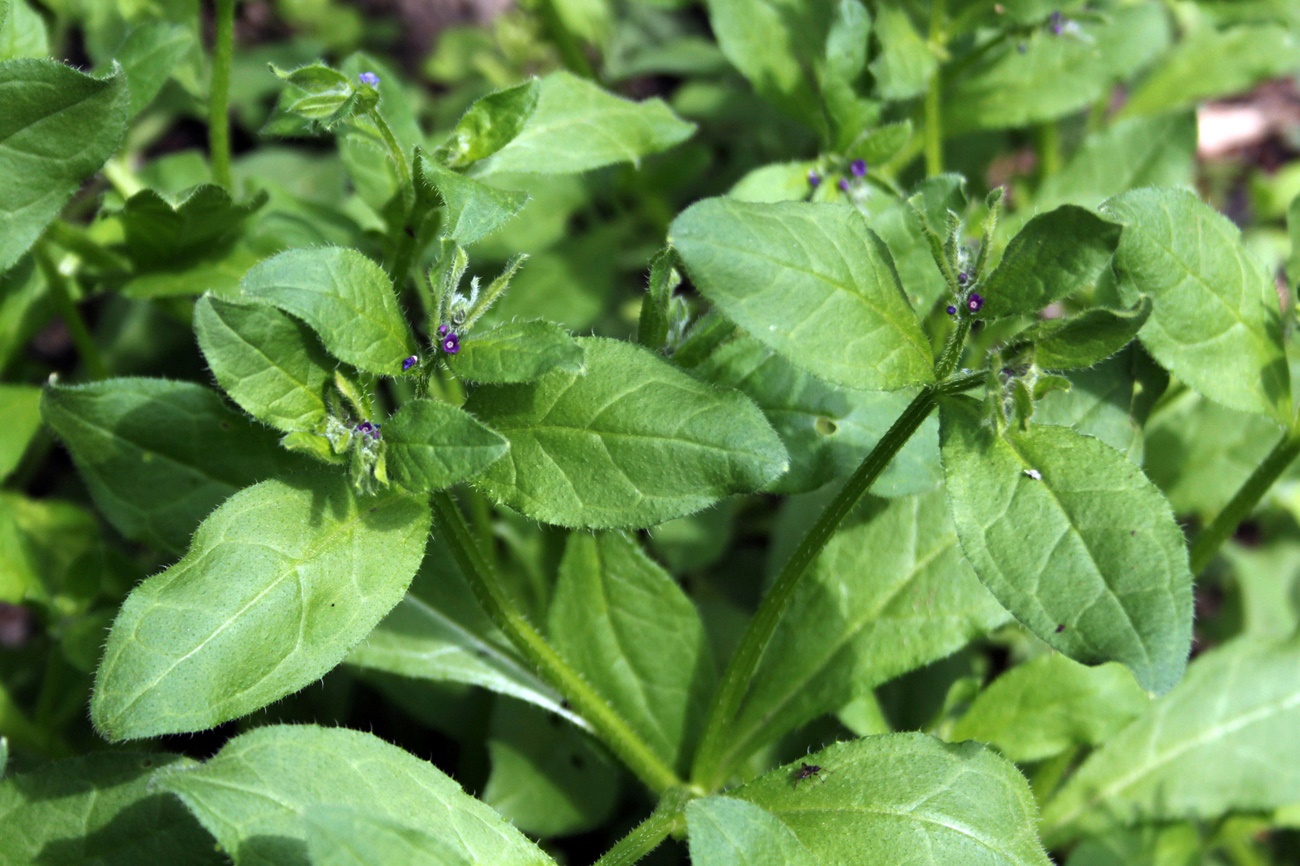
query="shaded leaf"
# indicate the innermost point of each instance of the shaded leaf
(201, 222)
(20, 406)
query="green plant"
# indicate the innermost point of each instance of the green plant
(890, 469)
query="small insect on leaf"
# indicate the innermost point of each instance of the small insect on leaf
(806, 771)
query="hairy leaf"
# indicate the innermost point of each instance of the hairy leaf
(430, 446)
(517, 352)
(727, 832)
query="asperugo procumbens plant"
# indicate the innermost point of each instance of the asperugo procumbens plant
(386, 471)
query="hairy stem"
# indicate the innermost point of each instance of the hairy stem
(1244, 501)
(66, 307)
(608, 725)
(714, 759)
(219, 94)
(668, 817)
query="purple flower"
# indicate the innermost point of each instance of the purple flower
(814, 179)
(369, 78)
(410, 362)
(1057, 23)
(844, 184)
(365, 428)
(444, 330)
(962, 278)
(858, 167)
(952, 311)
(451, 344)
(974, 302)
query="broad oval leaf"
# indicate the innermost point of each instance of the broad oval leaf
(347, 300)
(490, 123)
(905, 799)
(1073, 539)
(159, 455)
(1048, 704)
(430, 446)
(149, 54)
(278, 584)
(889, 593)
(631, 443)
(811, 282)
(268, 362)
(99, 808)
(340, 836)
(253, 794)
(827, 430)
(727, 832)
(57, 126)
(1216, 320)
(578, 126)
(474, 209)
(164, 232)
(629, 630)
(516, 352)
(1219, 743)
(1056, 254)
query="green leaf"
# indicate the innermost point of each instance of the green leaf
(269, 363)
(728, 832)
(57, 126)
(811, 282)
(50, 553)
(906, 62)
(548, 779)
(1212, 63)
(826, 430)
(1086, 339)
(22, 31)
(149, 54)
(439, 632)
(889, 593)
(631, 633)
(25, 307)
(20, 406)
(631, 443)
(1050, 704)
(1153, 845)
(347, 300)
(578, 126)
(1055, 75)
(430, 446)
(1055, 255)
(99, 809)
(1085, 552)
(474, 210)
(202, 222)
(905, 798)
(490, 123)
(343, 836)
(159, 455)
(1133, 153)
(278, 584)
(1216, 323)
(517, 352)
(253, 794)
(1211, 747)
(1110, 402)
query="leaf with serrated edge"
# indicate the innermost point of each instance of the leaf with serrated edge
(516, 352)
(252, 795)
(267, 361)
(99, 809)
(1085, 551)
(631, 443)
(1216, 320)
(727, 832)
(1221, 742)
(347, 300)
(811, 282)
(430, 446)
(629, 630)
(889, 593)
(278, 584)
(905, 799)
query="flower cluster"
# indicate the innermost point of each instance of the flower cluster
(447, 340)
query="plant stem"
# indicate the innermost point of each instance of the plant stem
(1049, 150)
(1244, 501)
(219, 94)
(934, 96)
(712, 761)
(604, 721)
(667, 818)
(564, 40)
(67, 310)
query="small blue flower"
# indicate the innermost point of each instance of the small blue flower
(844, 184)
(365, 428)
(858, 168)
(974, 302)
(451, 344)
(444, 330)
(952, 311)
(410, 362)
(963, 278)
(1057, 23)
(369, 78)
(814, 179)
